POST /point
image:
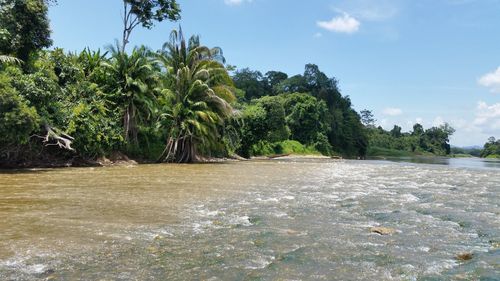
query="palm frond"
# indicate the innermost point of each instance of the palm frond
(4, 59)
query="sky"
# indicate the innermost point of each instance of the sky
(409, 61)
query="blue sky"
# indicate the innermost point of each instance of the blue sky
(430, 61)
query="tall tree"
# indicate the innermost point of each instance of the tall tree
(251, 82)
(396, 131)
(274, 78)
(367, 118)
(24, 27)
(145, 13)
(418, 130)
(134, 80)
(200, 92)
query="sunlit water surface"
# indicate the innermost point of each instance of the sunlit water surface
(286, 220)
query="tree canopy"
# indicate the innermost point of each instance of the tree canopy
(24, 27)
(146, 13)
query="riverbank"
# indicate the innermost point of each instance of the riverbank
(120, 159)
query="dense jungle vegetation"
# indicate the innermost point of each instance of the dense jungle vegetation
(491, 148)
(181, 103)
(420, 141)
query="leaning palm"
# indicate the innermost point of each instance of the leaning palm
(134, 82)
(199, 91)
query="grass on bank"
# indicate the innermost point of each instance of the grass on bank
(386, 152)
(493, 156)
(461, 155)
(283, 147)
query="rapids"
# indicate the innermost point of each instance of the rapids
(256, 220)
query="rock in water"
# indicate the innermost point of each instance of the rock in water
(464, 256)
(383, 230)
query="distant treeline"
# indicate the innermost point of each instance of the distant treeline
(307, 108)
(420, 141)
(491, 148)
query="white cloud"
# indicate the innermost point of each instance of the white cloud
(488, 116)
(491, 80)
(486, 123)
(236, 2)
(376, 13)
(438, 121)
(369, 10)
(391, 111)
(343, 24)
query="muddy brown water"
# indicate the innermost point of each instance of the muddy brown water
(269, 220)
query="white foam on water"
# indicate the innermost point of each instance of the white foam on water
(198, 228)
(239, 220)
(21, 264)
(409, 198)
(208, 213)
(424, 249)
(35, 268)
(267, 200)
(439, 267)
(260, 262)
(280, 215)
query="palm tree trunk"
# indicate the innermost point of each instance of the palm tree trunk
(126, 124)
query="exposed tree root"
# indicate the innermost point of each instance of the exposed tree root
(179, 150)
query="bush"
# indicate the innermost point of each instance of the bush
(283, 147)
(17, 120)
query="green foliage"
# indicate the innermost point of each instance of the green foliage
(396, 132)
(316, 113)
(263, 121)
(42, 91)
(148, 11)
(314, 109)
(252, 83)
(434, 140)
(145, 13)
(92, 116)
(255, 85)
(491, 148)
(199, 96)
(387, 152)
(67, 92)
(273, 80)
(9, 60)
(294, 147)
(305, 116)
(322, 145)
(367, 118)
(17, 120)
(265, 148)
(469, 152)
(133, 82)
(181, 97)
(24, 27)
(277, 129)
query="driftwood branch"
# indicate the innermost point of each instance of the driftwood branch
(55, 137)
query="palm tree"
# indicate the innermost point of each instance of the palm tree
(200, 93)
(134, 83)
(4, 59)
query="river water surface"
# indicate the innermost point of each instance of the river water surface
(269, 220)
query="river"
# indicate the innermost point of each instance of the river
(257, 220)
